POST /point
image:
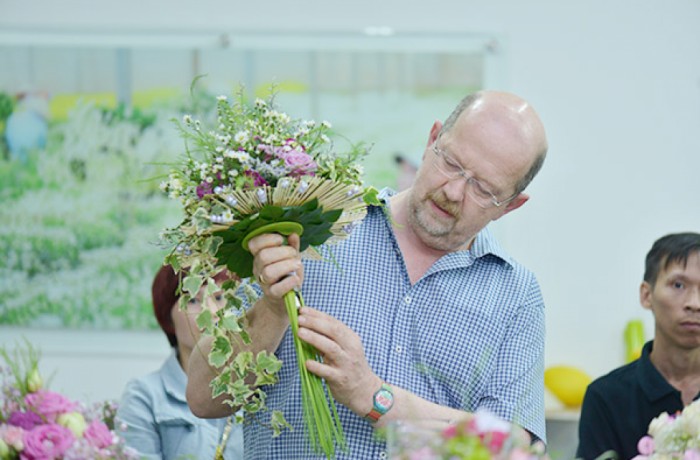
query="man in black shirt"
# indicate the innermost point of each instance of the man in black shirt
(618, 407)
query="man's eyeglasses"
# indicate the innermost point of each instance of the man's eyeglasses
(476, 191)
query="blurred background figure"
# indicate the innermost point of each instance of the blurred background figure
(159, 424)
(27, 125)
(407, 169)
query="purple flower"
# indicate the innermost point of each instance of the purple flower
(49, 404)
(258, 180)
(46, 442)
(204, 188)
(98, 434)
(25, 420)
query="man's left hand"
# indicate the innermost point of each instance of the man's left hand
(345, 368)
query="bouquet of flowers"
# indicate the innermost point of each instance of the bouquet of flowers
(38, 424)
(483, 436)
(261, 171)
(673, 436)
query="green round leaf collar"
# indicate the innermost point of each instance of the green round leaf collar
(316, 230)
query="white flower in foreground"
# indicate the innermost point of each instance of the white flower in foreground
(659, 424)
(221, 98)
(326, 124)
(241, 156)
(241, 137)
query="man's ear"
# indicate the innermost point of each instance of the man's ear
(645, 290)
(514, 204)
(434, 132)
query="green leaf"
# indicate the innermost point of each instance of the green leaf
(192, 283)
(220, 352)
(242, 361)
(371, 197)
(268, 362)
(204, 321)
(230, 323)
(316, 230)
(278, 423)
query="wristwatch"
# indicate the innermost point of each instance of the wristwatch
(383, 400)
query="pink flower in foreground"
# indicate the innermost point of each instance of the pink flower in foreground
(49, 404)
(297, 162)
(46, 442)
(645, 446)
(449, 432)
(13, 436)
(494, 440)
(98, 434)
(691, 455)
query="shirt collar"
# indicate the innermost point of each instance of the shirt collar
(174, 377)
(650, 379)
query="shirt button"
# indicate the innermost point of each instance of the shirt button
(407, 299)
(399, 349)
(382, 455)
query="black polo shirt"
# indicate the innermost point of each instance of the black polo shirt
(618, 407)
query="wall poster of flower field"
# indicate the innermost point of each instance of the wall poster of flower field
(81, 216)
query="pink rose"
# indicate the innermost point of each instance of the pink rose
(645, 446)
(49, 404)
(298, 162)
(98, 434)
(46, 442)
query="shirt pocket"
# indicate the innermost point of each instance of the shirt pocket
(174, 433)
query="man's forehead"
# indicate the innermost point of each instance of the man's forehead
(680, 264)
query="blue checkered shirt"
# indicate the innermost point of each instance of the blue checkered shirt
(469, 334)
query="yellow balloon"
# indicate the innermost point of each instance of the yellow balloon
(567, 383)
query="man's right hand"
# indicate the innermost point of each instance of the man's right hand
(277, 267)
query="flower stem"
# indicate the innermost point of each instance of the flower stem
(320, 414)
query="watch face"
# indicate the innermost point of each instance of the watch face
(383, 400)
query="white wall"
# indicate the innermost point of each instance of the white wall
(617, 84)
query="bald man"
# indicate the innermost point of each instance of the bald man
(424, 316)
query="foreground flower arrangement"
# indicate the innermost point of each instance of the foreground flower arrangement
(261, 171)
(673, 436)
(38, 424)
(484, 436)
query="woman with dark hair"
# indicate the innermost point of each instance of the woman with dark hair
(159, 424)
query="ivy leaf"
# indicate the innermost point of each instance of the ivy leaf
(278, 423)
(192, 283)
(220, 383)
(205, 321)
(242, 361)
(267, 362)
(230, 323)
(220, 352)
(371, 197)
